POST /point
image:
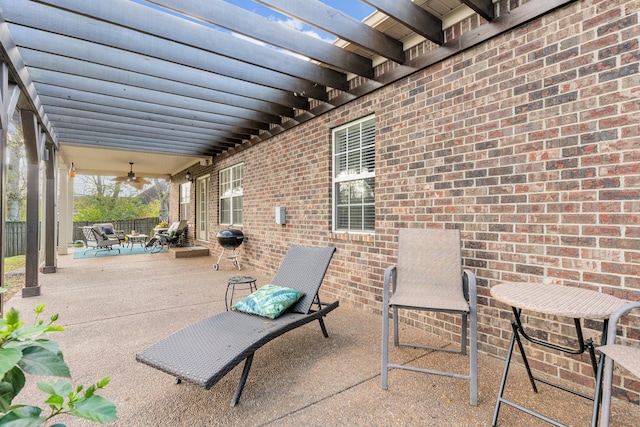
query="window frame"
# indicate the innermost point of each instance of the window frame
(203, 184)
(185, 200)
(342, 175)
(231, 193)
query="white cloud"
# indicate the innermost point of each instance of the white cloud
(302, 28)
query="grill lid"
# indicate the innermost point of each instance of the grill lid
(230, 238)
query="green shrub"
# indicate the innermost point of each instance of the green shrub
(23, 350)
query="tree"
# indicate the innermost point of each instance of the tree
(163, 199)
(16, 185)
(108, 200)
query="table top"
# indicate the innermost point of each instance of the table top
(137, 236)
(557, 300)
(241, 279)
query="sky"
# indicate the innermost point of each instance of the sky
(353, 8)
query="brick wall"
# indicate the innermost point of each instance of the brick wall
(528, 144)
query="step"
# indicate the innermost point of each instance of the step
(190, 252)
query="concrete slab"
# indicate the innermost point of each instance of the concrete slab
(114, 307)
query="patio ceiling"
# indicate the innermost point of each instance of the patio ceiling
(186, 81)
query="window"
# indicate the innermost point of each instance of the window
(202, 201)
(231, 195)
(354, 176)
(185, 200)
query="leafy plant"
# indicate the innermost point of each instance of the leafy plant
(23, 350)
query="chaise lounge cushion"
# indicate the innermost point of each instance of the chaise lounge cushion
(269, 301)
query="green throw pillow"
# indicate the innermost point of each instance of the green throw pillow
(105, 237)
(269, 301)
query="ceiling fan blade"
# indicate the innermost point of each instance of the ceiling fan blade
(136, 184)
(119, 179)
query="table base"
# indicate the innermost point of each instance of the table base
(233, 282)
(583, 345)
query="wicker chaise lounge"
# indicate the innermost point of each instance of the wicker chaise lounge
(204, 352)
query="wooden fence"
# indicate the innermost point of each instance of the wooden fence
(16, 232)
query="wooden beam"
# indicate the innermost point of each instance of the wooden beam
(31, 133)
(98, 72)
(145, 107)
(225, 15)
(483, 8)
(412, 16)
(169, 27)
(51, 19)
(55, 105)
(159, 127)
(123, 129)
(141, 94)
(9, 53)
(343, 26)
(133, 144)
(59, 45)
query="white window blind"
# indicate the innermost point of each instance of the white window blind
(185, 200)
(231, 195)
(354, 176)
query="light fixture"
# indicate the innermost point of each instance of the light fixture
(72, 171)
(189, 176)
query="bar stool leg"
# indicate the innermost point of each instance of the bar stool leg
(524, 357)
(503, 382)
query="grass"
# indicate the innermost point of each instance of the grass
(13, 281)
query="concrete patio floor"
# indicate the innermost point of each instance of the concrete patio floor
(114, 307)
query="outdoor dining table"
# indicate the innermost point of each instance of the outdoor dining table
(554, 300)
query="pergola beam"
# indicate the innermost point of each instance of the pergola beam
(343, 26)
(54, 20)
(145, 20)
(59, 45)
(225, 15)
(100, 73)
(55, 105)
(62, 93)
(119, 90)
(483, 8)
(413, 16)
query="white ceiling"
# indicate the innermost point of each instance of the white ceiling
(111, 162)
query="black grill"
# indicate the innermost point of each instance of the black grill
(230, 238)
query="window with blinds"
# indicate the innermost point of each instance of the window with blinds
(231, 195)
(185, 200)
(354, 176)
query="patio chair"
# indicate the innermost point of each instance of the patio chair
(624, 355)
(429, 277)
(97, 240)
(108, 229)
(172, 236)
(204, 352)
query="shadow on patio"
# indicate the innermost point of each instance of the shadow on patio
(114, 307)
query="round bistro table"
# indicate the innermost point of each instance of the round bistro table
(248, 282)
(554, 300)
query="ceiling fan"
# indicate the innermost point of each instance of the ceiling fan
(131, 179)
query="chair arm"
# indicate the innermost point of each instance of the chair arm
(389, 279)
(469, 286)
(615, 317)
